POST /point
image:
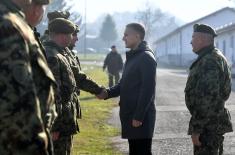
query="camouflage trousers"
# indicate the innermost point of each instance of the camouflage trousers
(212, 144)
(63, 145)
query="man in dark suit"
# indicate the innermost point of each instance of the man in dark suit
(137, 92)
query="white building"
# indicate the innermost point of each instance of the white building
(175, 48)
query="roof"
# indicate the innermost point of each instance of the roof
(225, 28)
(195, 21)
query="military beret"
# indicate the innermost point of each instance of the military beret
(61, 25)
(42, 2)
(203, 28)
(58, 14)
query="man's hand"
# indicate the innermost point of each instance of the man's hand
(136, 123)
(103, 94)
(195, 139)
(55, 136)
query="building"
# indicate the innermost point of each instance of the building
(175, 47)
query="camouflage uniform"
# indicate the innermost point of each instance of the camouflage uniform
(65, 123)
(208, 87)
(25, 86)
(45, 90)
(83, 82)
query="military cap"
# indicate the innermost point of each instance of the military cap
(203, 28)
(58, 14)
(61, 25)
(113, 46)
(42, 2)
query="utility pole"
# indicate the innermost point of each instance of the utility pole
(85, 27)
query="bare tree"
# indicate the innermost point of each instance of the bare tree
(61, 5)
(153, 19)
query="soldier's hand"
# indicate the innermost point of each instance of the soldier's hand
(103, 94)
(195, 139)
(136, 123)
(55, 136)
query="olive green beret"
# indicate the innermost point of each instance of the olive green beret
(61, 25)
(58, 14)
(203, 28)
(42, 2)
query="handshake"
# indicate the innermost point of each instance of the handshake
(103, 94)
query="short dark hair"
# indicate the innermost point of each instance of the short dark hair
(139, 28)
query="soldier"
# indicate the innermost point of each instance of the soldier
(76, 62)
(44, 80)
(114, 63)
(65, 125)
(72, 45)
(208, 87)
(51, 16)
(82, 80)
(22, 68)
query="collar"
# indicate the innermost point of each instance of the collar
(143, 46)
(203, 52)
(51, 43)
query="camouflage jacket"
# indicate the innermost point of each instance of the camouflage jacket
(65, 122)
(208, 87)
(82, 80)
(44, 81)
(22, 126)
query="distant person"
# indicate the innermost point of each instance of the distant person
(208, 87)
(137, 92)
(114, 63)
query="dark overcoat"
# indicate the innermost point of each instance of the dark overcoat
(137, 93)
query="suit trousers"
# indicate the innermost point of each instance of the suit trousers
(140, 146)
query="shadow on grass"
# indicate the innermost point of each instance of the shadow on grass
(87, 98)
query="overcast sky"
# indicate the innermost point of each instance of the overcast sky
(186, 10)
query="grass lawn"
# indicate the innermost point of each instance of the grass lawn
(95, 133)
(92, 56)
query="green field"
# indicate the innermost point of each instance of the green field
(95, 133)
(92, 56)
